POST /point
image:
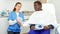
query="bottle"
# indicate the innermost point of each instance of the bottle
(3, 13)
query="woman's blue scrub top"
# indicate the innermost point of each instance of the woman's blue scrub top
(16, 27)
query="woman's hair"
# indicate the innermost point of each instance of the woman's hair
(16, 5)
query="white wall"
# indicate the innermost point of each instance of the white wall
(57, 7)
(9, 4)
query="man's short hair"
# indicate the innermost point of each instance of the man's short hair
(39, 3)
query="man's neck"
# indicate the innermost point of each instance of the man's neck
(39, 10)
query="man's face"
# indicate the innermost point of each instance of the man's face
(37, 7)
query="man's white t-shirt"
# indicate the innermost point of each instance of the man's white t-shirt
(41, 17)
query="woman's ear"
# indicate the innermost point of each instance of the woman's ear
(15, 7)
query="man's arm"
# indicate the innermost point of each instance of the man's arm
(48, 27)
(51, 26)
(32, 26)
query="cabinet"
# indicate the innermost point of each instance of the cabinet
(43, 1)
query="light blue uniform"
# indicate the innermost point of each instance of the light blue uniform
(16, 27)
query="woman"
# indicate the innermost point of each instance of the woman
(15, 19)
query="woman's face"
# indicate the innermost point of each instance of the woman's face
(18, 7)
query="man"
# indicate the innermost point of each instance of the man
(38, 18)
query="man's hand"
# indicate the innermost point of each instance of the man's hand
(32, 27)
(46, 27)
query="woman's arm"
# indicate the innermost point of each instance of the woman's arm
(10, 19)
(12, 22)
(20, 19)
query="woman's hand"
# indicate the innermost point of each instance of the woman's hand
(19, 21)
(46, 27)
